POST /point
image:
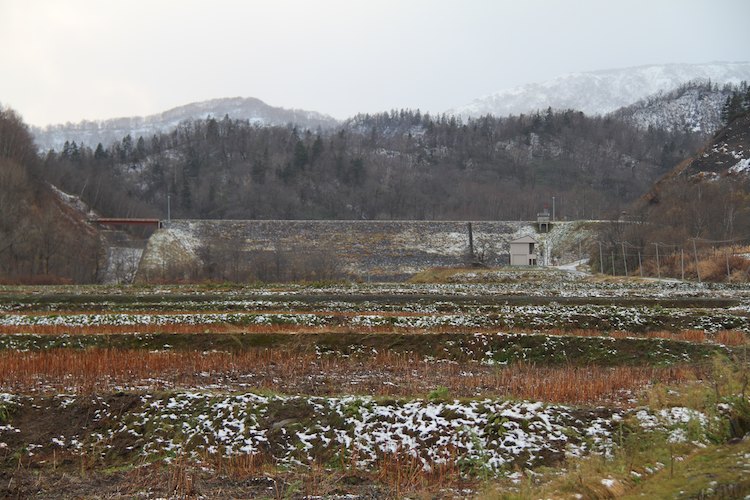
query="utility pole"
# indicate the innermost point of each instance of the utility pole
(727, 266)
(169, 214)
(471, 244)
(682, 263)
(553, 209)
(697, 271)
(624, 259)
(601, 257)
(658, 269)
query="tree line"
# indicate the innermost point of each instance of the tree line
(39, 240)
(736, 104)
(401, 164)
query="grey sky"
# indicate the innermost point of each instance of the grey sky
(94, 59)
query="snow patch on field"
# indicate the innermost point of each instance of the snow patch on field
(485, 434)
(482, 436)
(553, 315)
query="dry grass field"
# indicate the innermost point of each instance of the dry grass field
(515, 384)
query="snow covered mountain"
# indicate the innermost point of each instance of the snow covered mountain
(256, 111)
(693, 107)
(602, 92)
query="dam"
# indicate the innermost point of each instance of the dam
(360, 249)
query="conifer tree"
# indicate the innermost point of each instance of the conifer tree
(100, 153)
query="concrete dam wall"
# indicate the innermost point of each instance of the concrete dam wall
(378, 250)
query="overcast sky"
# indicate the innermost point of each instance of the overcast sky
(67, 60)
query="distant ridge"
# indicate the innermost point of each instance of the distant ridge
(594, 93)
(601, 92)
(239, 108)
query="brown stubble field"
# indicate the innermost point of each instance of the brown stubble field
(367, 391)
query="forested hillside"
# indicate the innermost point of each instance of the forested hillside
(699, 106)
(41, 238)
(708, 195)
(397, 165)
(698, 215)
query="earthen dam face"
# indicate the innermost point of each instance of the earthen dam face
(377, 250)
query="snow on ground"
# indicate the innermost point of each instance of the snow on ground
(466, 303)
(573, 267)
(186, 236)
(486, 434)
(74, 202)
(483, 436)
(741, 167)
(553, 315)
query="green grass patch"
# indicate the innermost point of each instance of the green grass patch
(715, 472)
